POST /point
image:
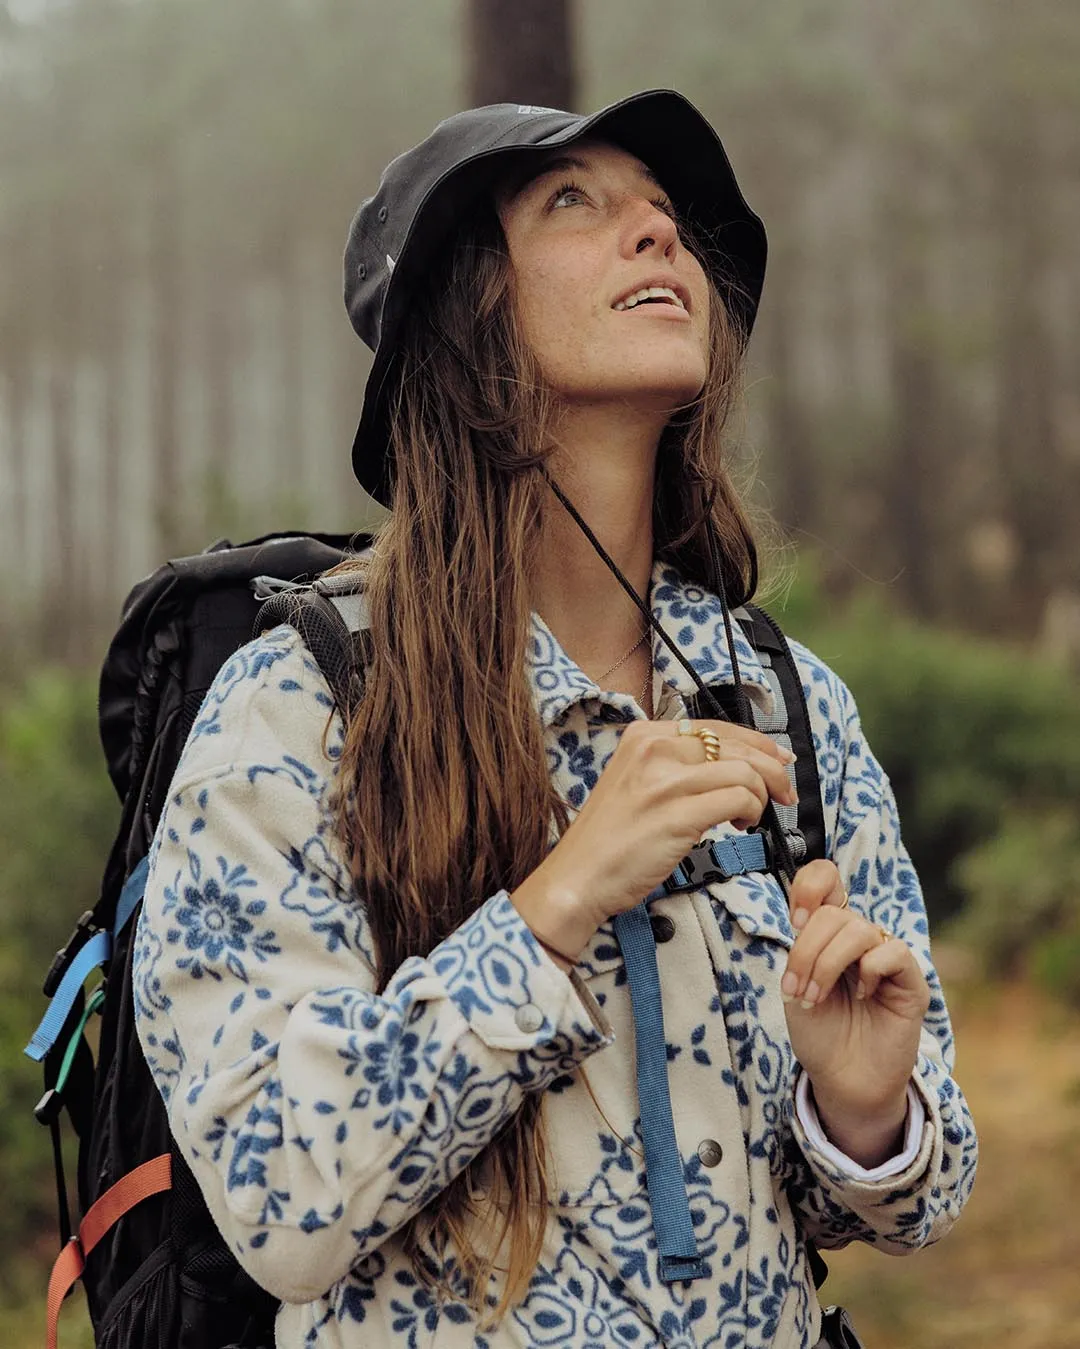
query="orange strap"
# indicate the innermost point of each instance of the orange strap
(150, 1178)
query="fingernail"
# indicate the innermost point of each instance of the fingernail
(789, 985)
(799, 917)
(786, 756)
(810, 997)
(860, 990)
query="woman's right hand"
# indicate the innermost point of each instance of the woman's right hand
(651, 805)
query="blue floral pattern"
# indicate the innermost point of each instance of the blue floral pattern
(320, 1116)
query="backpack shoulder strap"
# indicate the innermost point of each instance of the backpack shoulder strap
(789, 724)
(807, 819)
(330, 617)
(804, 823)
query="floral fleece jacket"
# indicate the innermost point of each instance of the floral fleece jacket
(318, 1116)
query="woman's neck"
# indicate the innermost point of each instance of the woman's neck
(606, 467)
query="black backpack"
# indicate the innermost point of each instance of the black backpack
(155, 1269)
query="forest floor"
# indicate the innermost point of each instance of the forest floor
(1008, 1276)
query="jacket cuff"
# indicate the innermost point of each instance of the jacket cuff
(807, 1116)
(510, 992)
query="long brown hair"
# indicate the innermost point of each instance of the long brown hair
(444, 793)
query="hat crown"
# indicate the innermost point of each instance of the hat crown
(381, 226)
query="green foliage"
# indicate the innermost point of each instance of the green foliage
(982, 743)
(57, 816)
(56, 800)
(1022, 887)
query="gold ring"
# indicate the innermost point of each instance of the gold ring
(709, 739)
(884, 933)
(845, 901)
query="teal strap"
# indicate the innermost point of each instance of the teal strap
(95, 1001)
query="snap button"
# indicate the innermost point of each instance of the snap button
(382, 215)
(529, 1017)
(663, 929)
(710, 1152)
(361, 271)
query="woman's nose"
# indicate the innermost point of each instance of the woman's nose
(649, 228)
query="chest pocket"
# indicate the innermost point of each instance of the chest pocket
(756, 903)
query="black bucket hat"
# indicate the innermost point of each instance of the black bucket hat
(423, 193)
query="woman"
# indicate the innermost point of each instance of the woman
(388, 975)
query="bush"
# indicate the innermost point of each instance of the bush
(1021, 914)
(982, 743)
(58, 813)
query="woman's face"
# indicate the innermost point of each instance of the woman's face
(587, 235)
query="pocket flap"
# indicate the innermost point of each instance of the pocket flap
(757, 903)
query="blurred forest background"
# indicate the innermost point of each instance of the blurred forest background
(176, 179)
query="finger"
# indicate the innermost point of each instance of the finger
(731, 730)
(706, 779)
(778, 783)
(741, 806)
(891, 973)
(832, 940)
(775, 775)
(815, 884)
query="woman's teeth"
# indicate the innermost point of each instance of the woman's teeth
(649, 293)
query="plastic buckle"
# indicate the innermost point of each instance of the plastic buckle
(81, 933)
(47, 1111)
(266, 587)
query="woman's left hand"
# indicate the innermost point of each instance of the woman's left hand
(855, 1000)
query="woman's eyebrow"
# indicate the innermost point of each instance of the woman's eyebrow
(567, 164)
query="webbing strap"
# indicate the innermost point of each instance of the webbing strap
(94, 1003)
(719, 859)
(130, 895)
(150, 1178)
(94, 953)
(733, 855)
(674, 1228)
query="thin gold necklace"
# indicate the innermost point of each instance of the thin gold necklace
(646, 692)
(622, 659)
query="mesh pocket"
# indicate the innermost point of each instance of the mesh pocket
(146, 1310)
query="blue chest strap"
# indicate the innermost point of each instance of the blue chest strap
(664, 1177)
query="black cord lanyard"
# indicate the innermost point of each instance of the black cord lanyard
(781, 853)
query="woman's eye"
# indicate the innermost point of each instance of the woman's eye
(570, 190)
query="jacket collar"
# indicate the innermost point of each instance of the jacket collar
(694, 620)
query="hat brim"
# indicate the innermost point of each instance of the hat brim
(662, 129)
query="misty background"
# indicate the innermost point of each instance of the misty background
(176, 182)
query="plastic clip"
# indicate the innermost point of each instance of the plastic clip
(81, 933)
(47, 1111)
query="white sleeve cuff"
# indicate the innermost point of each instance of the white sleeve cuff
(893, 1166)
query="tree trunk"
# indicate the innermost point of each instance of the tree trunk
(1028, 464)
(521, 51)
(114, 246)
(165, 281)
(67, 566)
(794, 469)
